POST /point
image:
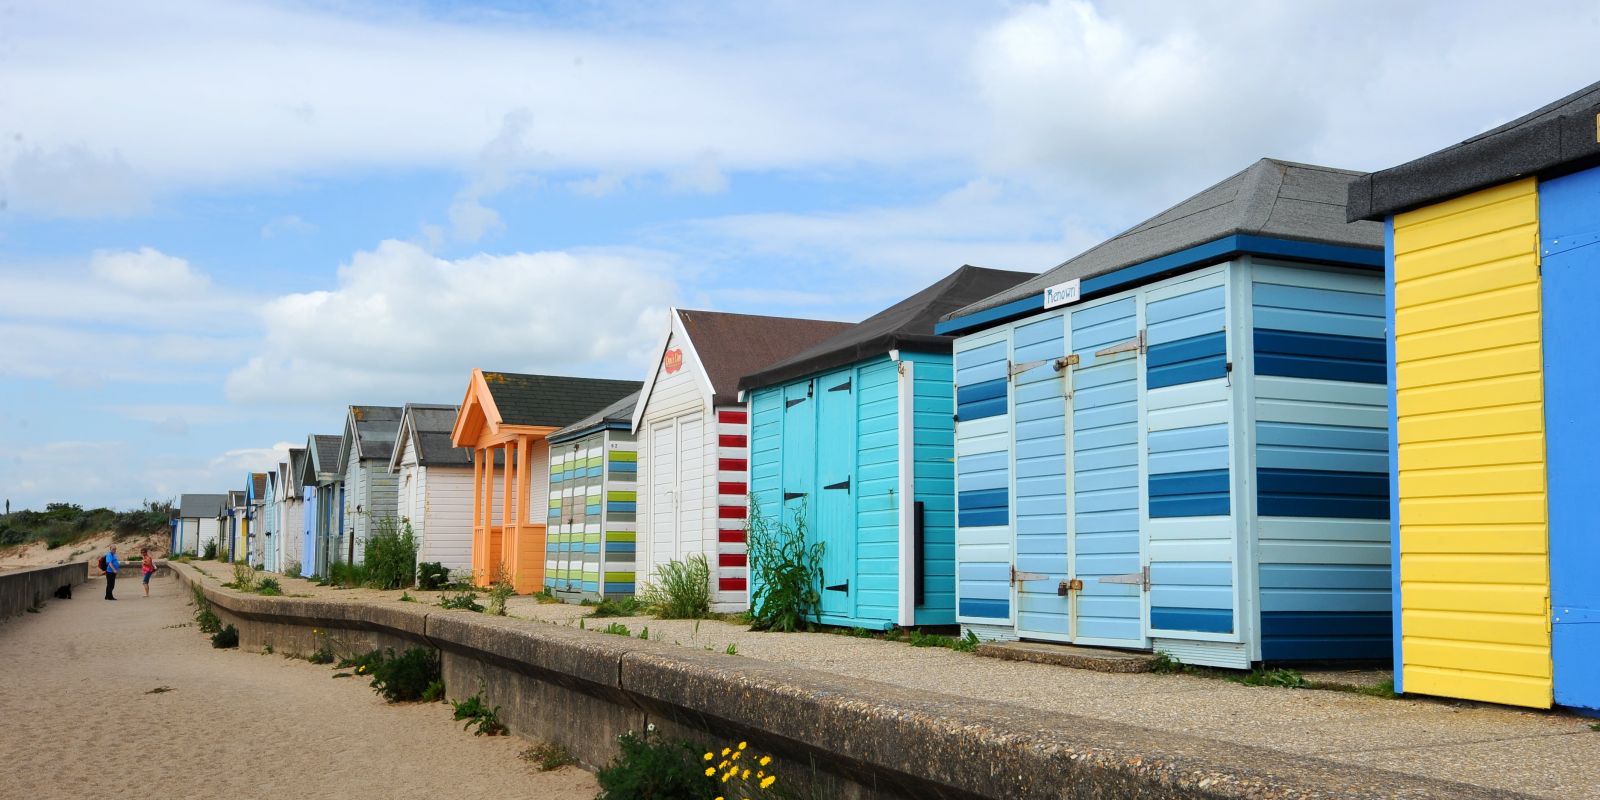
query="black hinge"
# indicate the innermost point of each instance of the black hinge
(844, 484)
(787, 496)
(787, 404)
(843, 387)
(839, 587)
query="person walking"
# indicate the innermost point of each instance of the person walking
(147, 567)
(112, 567)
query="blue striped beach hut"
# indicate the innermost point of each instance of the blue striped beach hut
(1178, 439)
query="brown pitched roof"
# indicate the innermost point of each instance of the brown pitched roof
(731, 346)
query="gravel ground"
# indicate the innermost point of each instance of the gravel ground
(1541, 753)
(81, 721)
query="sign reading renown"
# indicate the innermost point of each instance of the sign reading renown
(1061, 294)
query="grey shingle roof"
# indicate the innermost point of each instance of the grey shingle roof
(551, 400)
(429, 425)
(1273, 198)
(201, 505)
(907, 324)
(1558, 137)
(375, 429)
(619, 413)
(297, 465)
(235, 498)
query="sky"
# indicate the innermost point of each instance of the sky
(223, 222)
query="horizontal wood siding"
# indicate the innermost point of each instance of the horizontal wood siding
(933, 448)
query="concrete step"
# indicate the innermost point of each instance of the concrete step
(1098, 659)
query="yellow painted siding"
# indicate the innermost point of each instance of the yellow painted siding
(1474, 543)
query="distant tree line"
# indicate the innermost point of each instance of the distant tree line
(64, 523)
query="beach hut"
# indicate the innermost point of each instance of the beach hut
(237, 526)
(269, 522)
(1494, 274)
(857, 431)
(252, 542)
(369, 487)
(505, 419)
(284, 548)
(693, 439)
(434, 483)
(323, 502)
(589, 546)
(1178, 439)
(197, 521)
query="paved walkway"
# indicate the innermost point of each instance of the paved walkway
(1537, 753)
(78, 720)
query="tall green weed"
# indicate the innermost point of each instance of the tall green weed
(785, 571)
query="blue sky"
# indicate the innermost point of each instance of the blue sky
(225, 221)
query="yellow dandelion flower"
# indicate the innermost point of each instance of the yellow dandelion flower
(708, 757)
(726, 777)
(727, 750)
(710, 771)
(767, 781)
(765, 760)
(742, 745)
(735, 756)
(745, 776)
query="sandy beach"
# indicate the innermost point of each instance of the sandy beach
(82, 719)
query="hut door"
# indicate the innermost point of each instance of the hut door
(799, 454)
(663, 494)
(1570, 246)
(1107, 608)
(1038, 380)
(835, 493)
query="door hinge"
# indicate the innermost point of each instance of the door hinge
(787, 496)
(840, 587)
(1013, 370)
(1140, 579)
(1018, 576)
(843, 387)
(1136, 344)
(844, 484)
(791, 403)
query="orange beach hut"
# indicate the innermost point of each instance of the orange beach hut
(505, 419)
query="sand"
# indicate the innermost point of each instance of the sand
(37, 554)
(79, 721)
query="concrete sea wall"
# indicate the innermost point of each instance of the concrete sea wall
(851, 738)
(23, 589)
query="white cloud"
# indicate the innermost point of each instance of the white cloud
(404, 325)
(147, 271)
(289, 224)
(119, 474)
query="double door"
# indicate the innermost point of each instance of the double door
(819, 449)
(677, 509)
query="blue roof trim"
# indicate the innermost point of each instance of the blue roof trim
(592, 429)
(1197, 256)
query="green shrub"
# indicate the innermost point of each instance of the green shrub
(407, 676)
(548, 756)
(322, 655)
(292, 570)
(617, 629)
(1282, 678)
(476, 712)
(432, 576)
(391, 554)
(1167, 663)
(348, 576)
(682, 589)
(210, 551)
(434, 693)
(227, 637)
(651, 769)
(269, 587)
(617, 607)
(461, 601)
(785, 572)
(204, 617)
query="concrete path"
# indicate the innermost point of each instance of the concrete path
(80, 721)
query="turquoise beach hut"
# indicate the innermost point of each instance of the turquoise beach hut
(857, 433)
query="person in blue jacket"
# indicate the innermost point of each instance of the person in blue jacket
(109, 563)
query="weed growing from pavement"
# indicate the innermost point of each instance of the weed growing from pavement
(268, 587)
(617, 629)
(461, 601)
(682, 589)
(785, 571)
(733, 650)
(1168, 664)
(616, 607)
(390, 554)
(203, 615)
(476, 712)
(1282, 678)
(405, 597)
(548, 756)
(244, 578)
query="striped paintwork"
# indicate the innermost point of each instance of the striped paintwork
(1190, 504)
(1469, 408)
(1040, 437)
(983, 478)
(733, 452)
(591, 528)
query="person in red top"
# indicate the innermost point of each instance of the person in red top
(147, 567)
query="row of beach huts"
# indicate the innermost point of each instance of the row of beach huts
(1305, 414)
